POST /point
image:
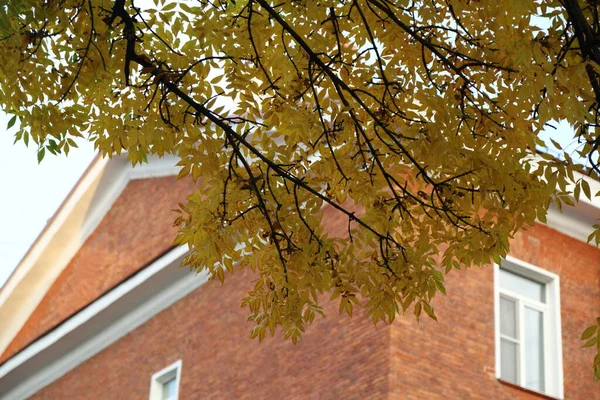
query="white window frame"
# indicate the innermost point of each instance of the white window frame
(163, 376)
(553, 362)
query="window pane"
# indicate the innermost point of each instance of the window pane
(508, 317)
(534, 349)
(521, 285)
(508, 361)
(169, 389)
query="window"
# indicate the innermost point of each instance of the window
(165, 383)
(528, 341)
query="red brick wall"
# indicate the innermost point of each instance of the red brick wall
(137, 229)
(338, 357)
(342, 357)
(455, 357)
(578, 266)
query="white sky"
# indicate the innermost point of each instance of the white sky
(31, 193)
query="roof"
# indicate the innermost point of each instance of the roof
(66, 232)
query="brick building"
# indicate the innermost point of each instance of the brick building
(98, 309)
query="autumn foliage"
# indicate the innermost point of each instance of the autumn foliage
(424, 115)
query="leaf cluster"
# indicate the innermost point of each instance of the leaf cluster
(415, 122)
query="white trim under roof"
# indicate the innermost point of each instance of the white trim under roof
(73, 223)
(577, 221)
(97, 326)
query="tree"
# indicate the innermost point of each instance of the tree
(418, 121)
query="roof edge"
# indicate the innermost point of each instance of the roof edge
(74, 221)
(110, 317)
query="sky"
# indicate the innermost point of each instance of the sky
(31, 193)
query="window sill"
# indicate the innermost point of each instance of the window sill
(530, 391)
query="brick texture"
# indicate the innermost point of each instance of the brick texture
(137, 229)
(455, 357)
(339, 358)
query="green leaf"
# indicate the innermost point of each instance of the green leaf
(417, 310)
(440, 287)
(40, 155)
(12, 121)
(18, 136)
(169, 6)
(586, 189)
(429, 311)
(591, 236)
(590, 342)
(437, 275)
(589, 332)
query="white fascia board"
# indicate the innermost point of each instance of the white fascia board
(594, 188)
(74, 222)
(41, 265)
(97, 326)
(577, 221)
(574, 221)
